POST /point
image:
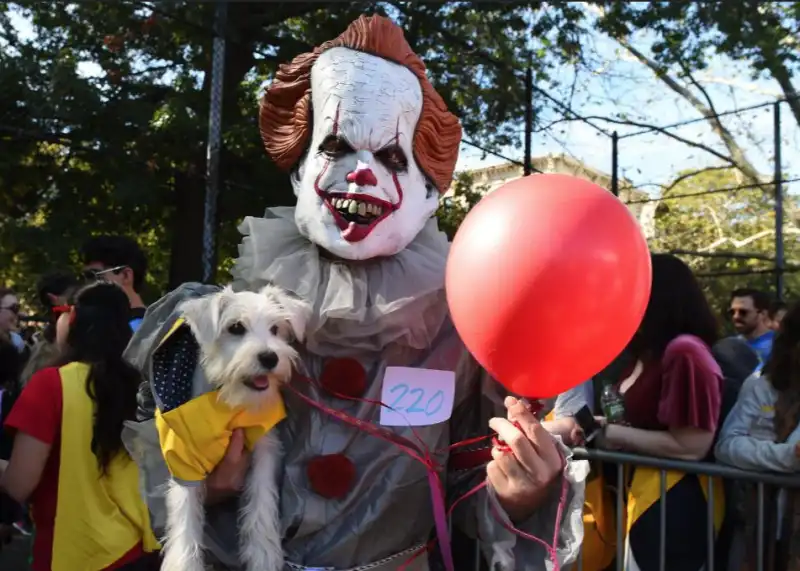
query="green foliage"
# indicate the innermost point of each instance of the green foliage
(762, 34)
(454, 207)
(104, 113)
(737, 222)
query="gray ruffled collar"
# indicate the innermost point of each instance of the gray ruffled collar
(360, 306)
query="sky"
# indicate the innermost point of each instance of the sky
(619, 84)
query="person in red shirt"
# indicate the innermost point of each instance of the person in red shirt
(67, 426)
(672, 398)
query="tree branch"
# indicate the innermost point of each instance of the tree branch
(729, 160)
(733, 255)
(775, 63)
(738, 157)
(687, 175)
(708, 78)
(739, 243)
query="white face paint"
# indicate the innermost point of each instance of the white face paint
(360, 193)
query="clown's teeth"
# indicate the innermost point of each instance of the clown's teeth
(352, 206)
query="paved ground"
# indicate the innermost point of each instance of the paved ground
(14, 557)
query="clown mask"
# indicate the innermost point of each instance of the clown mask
(360, 192)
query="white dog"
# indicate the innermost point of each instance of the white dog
(246, 353)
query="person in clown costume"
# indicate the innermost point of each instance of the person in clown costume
(370, 146)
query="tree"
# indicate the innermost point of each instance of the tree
(762, 35)
(726, 236)
(122, 148)
(463, 195)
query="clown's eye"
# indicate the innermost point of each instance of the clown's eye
(237, 329)
(393, 158)
(334, 146)
(274, 329)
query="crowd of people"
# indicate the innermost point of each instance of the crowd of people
(65, 391)
(687, 394)
(691, 395)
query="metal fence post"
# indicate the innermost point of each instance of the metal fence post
(615, 163)
(778, 181)
(528, 121)
(213, 145)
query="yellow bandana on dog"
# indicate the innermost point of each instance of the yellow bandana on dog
(195, 432)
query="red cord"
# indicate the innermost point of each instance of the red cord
(426, 458)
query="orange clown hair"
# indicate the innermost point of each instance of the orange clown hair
(285, 115)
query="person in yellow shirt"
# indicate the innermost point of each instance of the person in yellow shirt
(68, 458)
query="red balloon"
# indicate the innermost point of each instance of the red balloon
(547, 281)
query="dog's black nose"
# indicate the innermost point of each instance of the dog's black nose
(268, 359)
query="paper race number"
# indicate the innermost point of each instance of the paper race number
(418, 397)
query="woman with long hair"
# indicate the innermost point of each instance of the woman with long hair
(672, 398)
(68, 458)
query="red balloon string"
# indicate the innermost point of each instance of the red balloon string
(423, 455)
(562, 501)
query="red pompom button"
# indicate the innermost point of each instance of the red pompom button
(331, 476)
(345, 377)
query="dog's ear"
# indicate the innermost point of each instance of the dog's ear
(298, 311)
(203, 314)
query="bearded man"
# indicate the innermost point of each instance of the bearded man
(370, 146)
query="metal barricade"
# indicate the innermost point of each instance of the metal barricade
(621, 460)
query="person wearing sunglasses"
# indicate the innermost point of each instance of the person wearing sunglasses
(119, 260)
(9, 318)
(749, 312)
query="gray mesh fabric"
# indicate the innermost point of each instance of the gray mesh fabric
(389, 312)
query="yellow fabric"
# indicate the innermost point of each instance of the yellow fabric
(195, 436)
(175, 326)
(98, 518)
(645, 491)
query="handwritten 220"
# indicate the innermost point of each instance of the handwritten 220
(415, 400)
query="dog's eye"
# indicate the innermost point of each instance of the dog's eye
(274, 329)
(237, 329)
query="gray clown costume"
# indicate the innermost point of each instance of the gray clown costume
(371, 506)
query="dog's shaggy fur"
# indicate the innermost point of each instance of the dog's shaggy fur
(246, 353)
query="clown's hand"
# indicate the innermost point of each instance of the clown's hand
(228, 477)
(522, 473)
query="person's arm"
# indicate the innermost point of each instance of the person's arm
(738, 447)
(24, 471)
(482, 515)
(566, 406)
(36, 420)
(687, 443)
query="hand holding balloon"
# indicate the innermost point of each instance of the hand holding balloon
(521, 471)
(547, 281)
